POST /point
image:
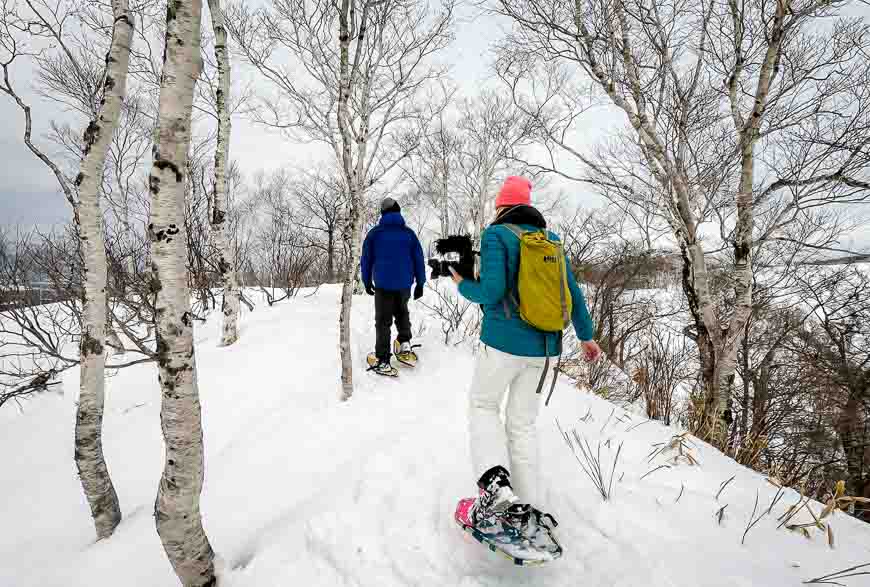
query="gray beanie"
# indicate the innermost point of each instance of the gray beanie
(389, 205)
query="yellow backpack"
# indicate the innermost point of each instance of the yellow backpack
(542, 282)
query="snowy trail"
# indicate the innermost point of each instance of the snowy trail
(303, 490)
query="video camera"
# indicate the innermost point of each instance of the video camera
(456, 251)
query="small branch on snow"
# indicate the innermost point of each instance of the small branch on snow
(723, 486)
(754, 520)
(654, 470)
(832, 578)
(608, 419)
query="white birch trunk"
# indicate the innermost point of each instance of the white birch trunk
(177, 509)
(482, 216)
(743, 243)
(445, 203)
(226, 259)
(90, 462)
(353, 175)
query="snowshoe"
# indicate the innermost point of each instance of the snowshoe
(405, 354)
(497, 520)
(381, 367)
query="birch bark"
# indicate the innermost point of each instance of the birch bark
(91, 464)
(177, 508)
(226, 253)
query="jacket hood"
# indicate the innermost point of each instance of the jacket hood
(522, 215)
(392, 219)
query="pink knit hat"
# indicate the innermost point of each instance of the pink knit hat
(515, 191)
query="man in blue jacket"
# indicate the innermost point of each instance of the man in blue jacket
(392, 260)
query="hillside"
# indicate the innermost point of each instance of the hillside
(303, 490)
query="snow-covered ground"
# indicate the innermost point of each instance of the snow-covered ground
(303, 490)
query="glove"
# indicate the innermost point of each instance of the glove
(370, 289)
(418, 291)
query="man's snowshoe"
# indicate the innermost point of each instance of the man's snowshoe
(381, 367)
(405, 354)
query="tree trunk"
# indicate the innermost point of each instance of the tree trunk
(748, 133)
(353, 174)
(760, 401)
(330, 256)
(852, 429)
(481, 206)
(176, 510)
(445, 200)
(90, 462)
(113, 341)
(226, 254)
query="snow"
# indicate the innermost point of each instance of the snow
(303, 490)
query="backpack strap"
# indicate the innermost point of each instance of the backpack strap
(546, 367)
(555, 369)
(511, 294)
(516, 230)
(563, 278)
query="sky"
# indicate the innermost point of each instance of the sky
(29, 194)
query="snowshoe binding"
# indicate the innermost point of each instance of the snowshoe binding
(515, 530)
(405, 354)
(379, 367)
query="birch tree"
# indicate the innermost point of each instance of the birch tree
(494, 132)
(101, 98)
(93, 473)
(356, 71)
(218, 214)
(433, 170)
(177, 509)
(700, 86)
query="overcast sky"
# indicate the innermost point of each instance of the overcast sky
(29, 194)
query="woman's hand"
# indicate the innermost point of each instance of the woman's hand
(457, 279)
(591, 350)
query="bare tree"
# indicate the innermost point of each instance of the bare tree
(434, 169)
(177, 509)
(835, 344)
(494, 132)
(358, 68)
(98, 94)
(89, 220)
(701, 86)
(322, 201)
(218, 215)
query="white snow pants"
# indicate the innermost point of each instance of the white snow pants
(513, 445)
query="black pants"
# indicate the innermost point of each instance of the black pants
(391, 305)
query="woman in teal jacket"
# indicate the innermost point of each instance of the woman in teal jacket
(513, 358)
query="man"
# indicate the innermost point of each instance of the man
(392, 260)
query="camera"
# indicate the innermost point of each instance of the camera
(456, 251)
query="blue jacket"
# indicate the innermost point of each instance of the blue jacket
(392, 258)
(499, 266)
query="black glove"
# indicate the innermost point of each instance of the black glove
(370, 289)
(418, 291)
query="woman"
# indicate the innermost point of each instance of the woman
(513, 358)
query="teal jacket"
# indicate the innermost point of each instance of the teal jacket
(499, 266)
